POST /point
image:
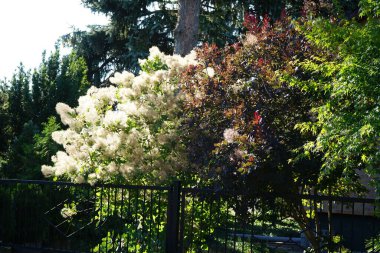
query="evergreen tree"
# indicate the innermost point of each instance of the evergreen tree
(43, 86)
(135, 26)
(20, 101)
(5, 128)
(44, 146)
(27, 115)
(21, 161)
(72, 80)
(57, 80)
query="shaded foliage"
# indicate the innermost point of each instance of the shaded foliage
(28, 102)
(135, 26)
(244, 96)
(240, 119)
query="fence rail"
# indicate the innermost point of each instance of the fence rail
(44, 216)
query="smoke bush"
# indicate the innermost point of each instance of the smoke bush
(125, 132)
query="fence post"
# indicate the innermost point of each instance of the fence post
(172, 225)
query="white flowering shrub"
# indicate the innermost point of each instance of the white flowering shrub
(125, 132)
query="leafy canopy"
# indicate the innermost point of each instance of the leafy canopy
(343, 78)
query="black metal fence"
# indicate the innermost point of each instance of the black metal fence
(218, 222)
(70, 217)
(42, 216)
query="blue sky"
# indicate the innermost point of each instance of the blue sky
(28, 27)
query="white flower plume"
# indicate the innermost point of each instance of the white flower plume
(126, 130)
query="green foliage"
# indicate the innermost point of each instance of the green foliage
(370, 8)
(72, 81)
(342, 77)
(20, 101)
(57, 80)
(22, 161)
(27, 105)
(136, 26)
(5, 126)
(373, 244)
(155, 64)
(44, 146)
(43, 86)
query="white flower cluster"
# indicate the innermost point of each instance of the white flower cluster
(237, 87)
(129, 130)
(230, 135)
(209, 71)
(68, 213)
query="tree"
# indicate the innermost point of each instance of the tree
(135, 26)
(43, 86)
(240, 119)
(5, 127)
(57, 79)
(186, 31)
(26, 112)
(21, 160)
(72, 81)
(44, 146)
(342, 77)
(20, 101)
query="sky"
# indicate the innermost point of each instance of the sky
(27, 27)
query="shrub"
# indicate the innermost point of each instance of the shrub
(125, 132)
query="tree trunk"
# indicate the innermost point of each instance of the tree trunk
(298, 213)
(186, 31)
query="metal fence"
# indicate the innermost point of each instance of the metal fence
(42, 216)
(220, 222)
(70, 217)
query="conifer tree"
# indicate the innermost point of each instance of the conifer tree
(20, 100)
(28, 112)
(135, 26)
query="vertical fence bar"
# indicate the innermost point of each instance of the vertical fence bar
(209, 226)
(158, 223)
(122, 218)
(136, 219)
(150, 233)
(329, 220)
(192, 215)
(182, 223)
(130, 218)
(172, 226)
